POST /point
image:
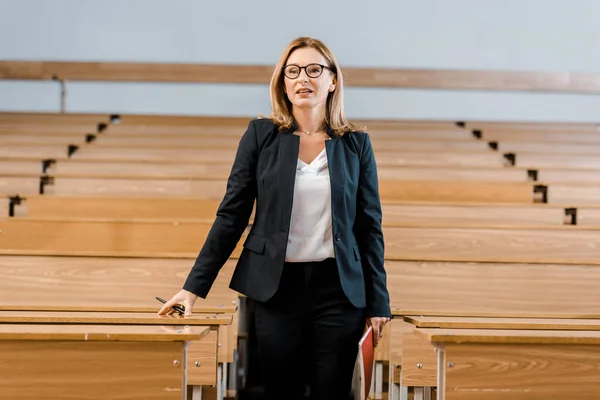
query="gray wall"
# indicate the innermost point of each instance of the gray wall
(537, 35)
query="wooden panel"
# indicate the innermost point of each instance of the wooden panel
(33, 151)
(171, 155)
(441, 159)
(444, 191)
(12, 139)
(505, 337)
(260, 74)
(588, 217)
(419, 361)
(9, 167)
(492, 289)
(108, 237)
(550, 148)
(36, 282)
(111, 318)
(472, 215)
(90, 370)
(558, 245)
(49, 118)
(397, 331)
(533, 126)
(504, 323)
(409, 173)
(572, 136)
(532, 160)
(100, 333)
(204, 353)
(533, 372)
(144, 169)
(581, 176)
(4, 208)
(382, 351)
(120, 208)
(207, 189)
(19, 185)
(574, 195)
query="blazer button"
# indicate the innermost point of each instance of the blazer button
(338, 236)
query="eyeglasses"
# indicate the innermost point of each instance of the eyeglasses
(292, 71)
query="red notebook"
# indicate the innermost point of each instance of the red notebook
(366, 354)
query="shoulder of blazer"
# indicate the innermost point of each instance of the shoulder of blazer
(264, 129)
(356, 140)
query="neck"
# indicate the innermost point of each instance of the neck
(310, 119)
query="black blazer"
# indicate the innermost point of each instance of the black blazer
(265, 169)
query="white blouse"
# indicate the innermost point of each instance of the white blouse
(310, 237)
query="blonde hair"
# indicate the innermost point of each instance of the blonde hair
(281, 107)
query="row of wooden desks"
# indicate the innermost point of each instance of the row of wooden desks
(100, 355)
(501, 358)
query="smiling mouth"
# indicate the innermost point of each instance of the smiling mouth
(304, 91)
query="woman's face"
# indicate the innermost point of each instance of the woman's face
(304, 87)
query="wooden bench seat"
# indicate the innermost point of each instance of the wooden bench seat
(94, 361)
(545, 147)
(30, 139)
(12, 167)
(51, 118)
(40, 152)
(410, 213)
(574, 194)
(19, 185)
(543, 136)
(557, 160)
(169, 238)
(390, 190)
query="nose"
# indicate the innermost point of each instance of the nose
(303, 75)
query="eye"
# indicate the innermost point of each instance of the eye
(314, 69)
(293, 70)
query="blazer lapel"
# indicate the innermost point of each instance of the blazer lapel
(337, 167)
(289, 145)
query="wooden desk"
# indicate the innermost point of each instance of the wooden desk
(504, 323)
(91, 362)
(516, 364)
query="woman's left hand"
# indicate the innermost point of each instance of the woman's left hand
(377, 323)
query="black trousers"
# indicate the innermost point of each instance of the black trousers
(308, 333)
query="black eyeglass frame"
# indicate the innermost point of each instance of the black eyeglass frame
(323, 67)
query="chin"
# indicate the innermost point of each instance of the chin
(305, 103)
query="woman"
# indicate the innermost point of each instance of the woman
(313, 260)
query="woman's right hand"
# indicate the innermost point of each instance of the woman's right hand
(182, 298)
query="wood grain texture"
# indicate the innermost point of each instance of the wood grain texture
(532, 372)
(82, 283)
(398, 328)
(472, 216)
(10, 167)
(432, 173)
(568, 176)
(574, 136)
(504, 323)
(419, 361)
(204, 352)
(100, 333)
(550, 148)
(504, 336)
(41, 152)
(493, 289)
(118, 318)
(90, 370)
(141, 238)
(42, 118)
(4, 208)
(81, 168)
(570, 82)
(19, 185)
(574, 195)
(568, 161)
(45, 140)
(588, 217)
(447, 191)
(559, 245)
(120, 207)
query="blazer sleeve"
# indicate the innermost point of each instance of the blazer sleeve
(233, 215)
(369, 234)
